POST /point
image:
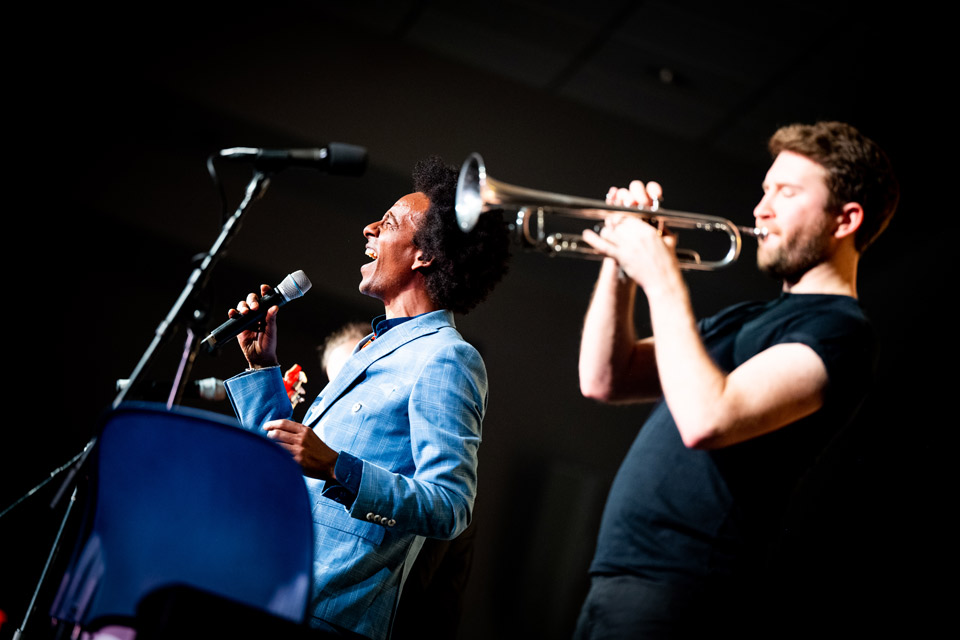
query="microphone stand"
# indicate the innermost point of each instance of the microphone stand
(195, 284)
(257, 187)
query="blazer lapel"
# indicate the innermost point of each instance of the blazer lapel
(361, 359)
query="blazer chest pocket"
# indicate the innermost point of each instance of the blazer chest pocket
(334, 516)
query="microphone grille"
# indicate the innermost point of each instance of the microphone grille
(346, 159)
(294, 285)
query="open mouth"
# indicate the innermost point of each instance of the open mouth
(371, 254)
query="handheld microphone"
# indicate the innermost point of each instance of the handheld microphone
(293, 286)
(337, 158)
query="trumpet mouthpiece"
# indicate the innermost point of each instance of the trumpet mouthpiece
(754, 232)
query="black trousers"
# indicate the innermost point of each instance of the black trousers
(622, 607)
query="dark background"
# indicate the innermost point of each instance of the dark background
(114, 114)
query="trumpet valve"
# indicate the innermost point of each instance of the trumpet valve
(560, 243)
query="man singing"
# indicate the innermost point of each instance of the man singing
(747, 398)
(389, 447)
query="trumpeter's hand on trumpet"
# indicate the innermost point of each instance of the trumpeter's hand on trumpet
(645, 252)
(638, 194)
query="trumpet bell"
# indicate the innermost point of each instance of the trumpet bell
(469, 204)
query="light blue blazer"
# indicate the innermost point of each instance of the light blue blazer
(409, 406)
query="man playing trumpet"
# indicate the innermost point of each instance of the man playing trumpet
(747, 398)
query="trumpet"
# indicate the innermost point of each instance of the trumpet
(477, 193)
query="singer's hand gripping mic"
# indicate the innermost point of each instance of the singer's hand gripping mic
(293, 286)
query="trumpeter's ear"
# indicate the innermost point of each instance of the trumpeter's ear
(848, 220)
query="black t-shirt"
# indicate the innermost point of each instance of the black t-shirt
(681, 515)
